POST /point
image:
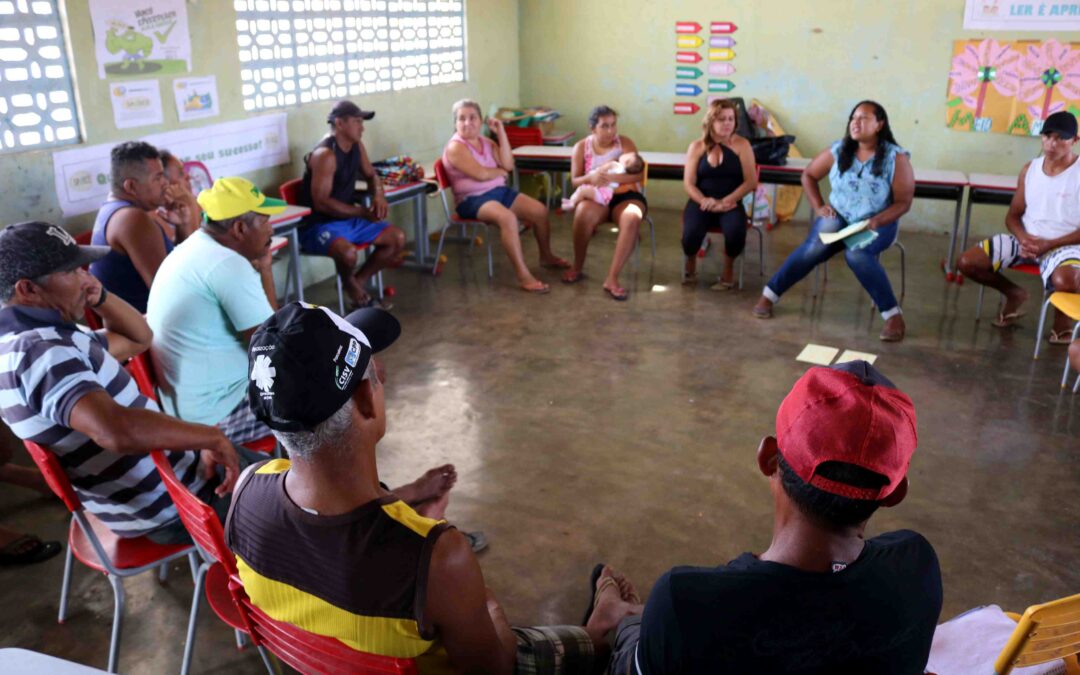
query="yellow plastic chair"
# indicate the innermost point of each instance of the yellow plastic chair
(1045, 632)
(1069, 305)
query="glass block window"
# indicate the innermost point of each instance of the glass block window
(37, 105)
(299, 51)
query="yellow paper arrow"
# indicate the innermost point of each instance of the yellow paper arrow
(721, 54)
(688, 41)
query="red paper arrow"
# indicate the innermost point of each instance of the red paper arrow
(687, 26)
(722, 27)
(687, 57)
(686, 108)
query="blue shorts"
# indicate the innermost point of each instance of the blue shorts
(317, 237)
(470, 206)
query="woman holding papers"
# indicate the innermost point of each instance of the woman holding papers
(872, 181)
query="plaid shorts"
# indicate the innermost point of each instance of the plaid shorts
(1004, 251)
(548, 650)
(240, 425)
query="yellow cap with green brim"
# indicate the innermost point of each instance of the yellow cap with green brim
(234, 196)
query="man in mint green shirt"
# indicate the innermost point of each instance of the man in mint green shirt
(207, 299)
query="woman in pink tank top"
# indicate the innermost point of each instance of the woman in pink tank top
(626, 209)
(477, 169)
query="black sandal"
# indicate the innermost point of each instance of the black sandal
(40, 551)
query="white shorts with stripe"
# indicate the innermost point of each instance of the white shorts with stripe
(1004, 251)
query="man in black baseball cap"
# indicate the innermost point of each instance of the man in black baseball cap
(338, 226)
(66, 389)
(1043, 228)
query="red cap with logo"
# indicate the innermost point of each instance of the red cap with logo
(847, 413)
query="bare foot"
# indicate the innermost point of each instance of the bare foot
(616, 291)
(613, 604)
(434, 508)
(434, 483)
(894, 328)
(763, 308)
(535, 286)
(572, 276)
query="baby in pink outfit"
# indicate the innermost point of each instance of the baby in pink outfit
(628, 162)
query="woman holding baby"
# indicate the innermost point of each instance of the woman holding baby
(615, 195)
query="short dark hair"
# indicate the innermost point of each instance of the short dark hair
(829, 510)
(598, 112)
(128, 161)
(637, 165)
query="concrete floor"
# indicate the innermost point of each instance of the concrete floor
(585, 430)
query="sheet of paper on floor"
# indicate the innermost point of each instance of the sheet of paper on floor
(821, 355)
(852, 355)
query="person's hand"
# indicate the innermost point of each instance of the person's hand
(726, 204)
(264, 262)
(826, 211)
(93, 291)
(177, 215)
(496, 125)
(177, 192)
(1033, 247)
(380, 206)
(707, 204)
(600, 178)
(223, 454)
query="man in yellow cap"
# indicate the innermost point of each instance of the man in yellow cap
(207, 299)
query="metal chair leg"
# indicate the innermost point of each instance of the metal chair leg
(65, 585)
(903, 271)
(1042, 324)
(270, 667)
(438, 250)
(194, 564)
(742, 264)
(193, 618)
(761, 250)
(163, 573)
(652, 236)
(1065, 375)
(340, 294)
(491, 261)
(118, 620)
(241, 638)
(379, 283)
(978, 305)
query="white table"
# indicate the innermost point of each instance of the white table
(287, 224)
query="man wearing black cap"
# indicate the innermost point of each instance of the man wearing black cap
(322, 544)
(63, 387)
(337, 224)
(1044, 228)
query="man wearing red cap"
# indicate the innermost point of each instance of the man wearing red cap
(821, 599)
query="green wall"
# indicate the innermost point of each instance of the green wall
(416, 122)
(809, 62)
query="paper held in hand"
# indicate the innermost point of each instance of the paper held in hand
(833, 237)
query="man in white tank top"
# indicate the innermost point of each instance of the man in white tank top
(1043, 226)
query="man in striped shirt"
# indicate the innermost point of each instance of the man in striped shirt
(63, 387)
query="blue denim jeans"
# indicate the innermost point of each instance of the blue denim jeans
(863, 262)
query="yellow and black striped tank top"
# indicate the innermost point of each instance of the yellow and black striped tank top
(360, 577)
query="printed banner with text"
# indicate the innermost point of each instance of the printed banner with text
(227, 149)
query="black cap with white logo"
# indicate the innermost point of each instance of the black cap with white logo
(35, 249)
(305, 361)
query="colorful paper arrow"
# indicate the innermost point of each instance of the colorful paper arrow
(686, 108)
(721, 41)
(721, 54)
(687, 57)
(688, 41)
(683, 89)
(721, 85)
(722, 27)
(688, 72)
(687, 26)
(721, 69)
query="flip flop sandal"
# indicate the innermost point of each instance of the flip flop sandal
(1062, 338)
(760, 313)
(1006, 320)
(594, 576)
(477, 541)
(722, 286)
(39, 552)
(618, 297)
(542, 289)
(580, 276)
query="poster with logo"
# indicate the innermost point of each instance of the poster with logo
(1021, 15)
(196, 97)
(1010, 87)
(136, 103)
(81, 175)
(140, 39)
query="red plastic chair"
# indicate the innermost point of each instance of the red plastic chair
(452, 219)
(757, 227)
(290, 191)
(307, 652)
(97, 547)
(520, 136)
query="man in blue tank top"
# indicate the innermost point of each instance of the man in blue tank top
(338, 227)
(137, 243)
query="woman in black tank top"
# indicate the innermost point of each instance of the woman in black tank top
(719, 172)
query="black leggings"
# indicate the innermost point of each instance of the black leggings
(697, 223)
